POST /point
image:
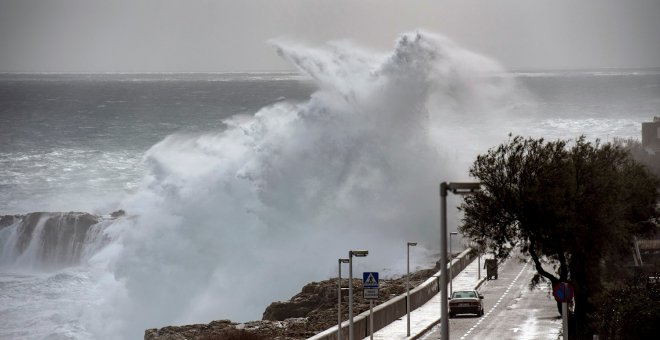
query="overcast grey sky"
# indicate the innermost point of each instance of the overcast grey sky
(232, 35)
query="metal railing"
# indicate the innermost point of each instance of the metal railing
(395, 308)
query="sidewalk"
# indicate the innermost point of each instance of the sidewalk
(428, 315)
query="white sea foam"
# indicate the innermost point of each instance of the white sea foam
(82, 179)
(227, 222)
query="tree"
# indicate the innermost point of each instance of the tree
(574, 209)
(639, 153)
(630, 309)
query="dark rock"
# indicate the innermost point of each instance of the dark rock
(118, 213)
(212, 330)
(227, 330)
(62, 236)
(7, 220)
(309, 312)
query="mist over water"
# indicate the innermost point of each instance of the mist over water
(226, 222)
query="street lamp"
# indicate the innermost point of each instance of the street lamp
(458, 189)
(451, 270)
(339, 299)
(410, 244)
(475, 246)
(351, 253)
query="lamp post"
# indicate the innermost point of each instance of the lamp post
(351, 253)
(410, 244)
(451, 270)
(458, 189)
(339, 299)
(475, 246)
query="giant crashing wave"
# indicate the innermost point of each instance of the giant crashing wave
(224, 223)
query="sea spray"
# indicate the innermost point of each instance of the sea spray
(43, 241)
(225, 223)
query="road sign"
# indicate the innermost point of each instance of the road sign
(370, 293)
(563, 292)
(370, 280)
(370, 285)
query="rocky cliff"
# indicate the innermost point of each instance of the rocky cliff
(51, 240)
(307, 313)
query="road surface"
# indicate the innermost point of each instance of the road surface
(512, 311)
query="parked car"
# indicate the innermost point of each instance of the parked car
(466, 302)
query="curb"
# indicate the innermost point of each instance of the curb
(480, 283)
(426, 329)
(437, 321)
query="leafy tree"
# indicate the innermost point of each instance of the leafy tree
(574, 208)
(639, 153)
(630, 308)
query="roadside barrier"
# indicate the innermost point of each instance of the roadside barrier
(395, 308)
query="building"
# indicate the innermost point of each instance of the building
(651, 136)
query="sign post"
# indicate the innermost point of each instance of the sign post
(371, 319)
(563, 292)
(370, 291)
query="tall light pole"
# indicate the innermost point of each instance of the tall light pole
(451, 270)
(339, 299)
(459, 189)
(475, 246)
(410, 244)
(351, 253)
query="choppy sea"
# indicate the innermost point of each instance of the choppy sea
(76, 142)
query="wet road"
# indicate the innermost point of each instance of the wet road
(512, 310)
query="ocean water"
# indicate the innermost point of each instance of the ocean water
(239, 188)
(75, 142)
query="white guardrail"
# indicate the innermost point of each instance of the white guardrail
(395, 308)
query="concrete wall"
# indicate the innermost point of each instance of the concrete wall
(395, 308)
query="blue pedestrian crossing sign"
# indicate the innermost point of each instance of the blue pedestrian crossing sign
(370, 285)
(370, 280)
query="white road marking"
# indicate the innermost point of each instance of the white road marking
(498, 302)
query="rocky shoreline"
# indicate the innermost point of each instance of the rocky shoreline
(64, 238)
(309, 312)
